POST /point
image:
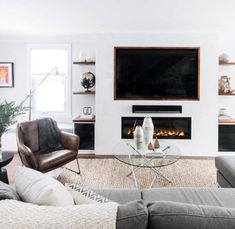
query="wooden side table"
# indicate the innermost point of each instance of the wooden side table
(6, 159)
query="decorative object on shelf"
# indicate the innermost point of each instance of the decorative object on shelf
(156, 143)
(148, 129)
(87, 110)
(84, 118)
(139, 137)
(82, 56)
(6, 74)
(8, 113)
(87, 113)
(88, 80)
(224, 85)
(223, 114)
(90, 59)
(224, 58)
(150, 146)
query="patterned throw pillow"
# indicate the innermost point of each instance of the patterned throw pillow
(82, 195)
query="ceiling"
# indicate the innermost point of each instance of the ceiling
(72, 17)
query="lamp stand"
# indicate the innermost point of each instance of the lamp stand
(31, 91)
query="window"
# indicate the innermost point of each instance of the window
(52, 97)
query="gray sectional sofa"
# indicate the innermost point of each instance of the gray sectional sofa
(191, 208)
(225, 171)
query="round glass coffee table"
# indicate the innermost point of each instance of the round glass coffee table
(127, 153)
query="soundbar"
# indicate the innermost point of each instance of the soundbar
(156, 109)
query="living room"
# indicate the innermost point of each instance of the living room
(50, 47)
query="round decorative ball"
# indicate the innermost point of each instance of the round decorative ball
(224, 58)
(88, 80)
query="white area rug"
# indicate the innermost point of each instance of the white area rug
(110, 173)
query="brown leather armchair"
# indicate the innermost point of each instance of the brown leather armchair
(28, 149)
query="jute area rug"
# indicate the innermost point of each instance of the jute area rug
(110, 173)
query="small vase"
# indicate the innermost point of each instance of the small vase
(139, 137)
(148, 129)
(156, 143)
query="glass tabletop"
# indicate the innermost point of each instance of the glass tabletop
(127, 153)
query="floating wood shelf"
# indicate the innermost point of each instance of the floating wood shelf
(79, 119)
(229, 63)
(84, 62)
(226, 121)
(226, 94)
(84, 93)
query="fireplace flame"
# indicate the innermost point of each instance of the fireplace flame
(159, 133)
(178, 133)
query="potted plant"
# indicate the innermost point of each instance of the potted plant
(8, 113)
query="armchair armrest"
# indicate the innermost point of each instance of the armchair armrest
(70, 141)
(27, 156)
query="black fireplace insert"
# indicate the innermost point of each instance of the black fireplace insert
(164, 127)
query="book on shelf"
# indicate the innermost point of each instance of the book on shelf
(87, 116)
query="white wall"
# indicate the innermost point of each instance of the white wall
(16, 53)
(108, 112)
(204, 112)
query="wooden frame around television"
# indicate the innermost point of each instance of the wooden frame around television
(197, 98)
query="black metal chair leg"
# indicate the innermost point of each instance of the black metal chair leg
(77, 172)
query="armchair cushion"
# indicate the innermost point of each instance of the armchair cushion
(55, 159)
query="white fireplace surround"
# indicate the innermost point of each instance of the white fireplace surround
(204, 112)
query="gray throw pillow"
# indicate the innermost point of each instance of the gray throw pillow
(133, 214)
(8, 192)
(171, 215)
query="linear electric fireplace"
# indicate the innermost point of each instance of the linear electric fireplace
(164, 127)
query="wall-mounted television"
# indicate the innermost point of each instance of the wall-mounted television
(156, 73)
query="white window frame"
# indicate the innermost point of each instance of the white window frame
(62, 117)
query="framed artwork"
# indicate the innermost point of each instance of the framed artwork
(6, 74)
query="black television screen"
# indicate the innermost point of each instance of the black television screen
(156, 73)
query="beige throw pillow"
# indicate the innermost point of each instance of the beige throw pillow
(82, 195)
(38, 188)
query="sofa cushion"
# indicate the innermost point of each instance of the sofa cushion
(132, 215)
(8, 192)
(171, 215)
(38, 188)
(222, 197)
(222, 181)
(121, 195)
(225, 164)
